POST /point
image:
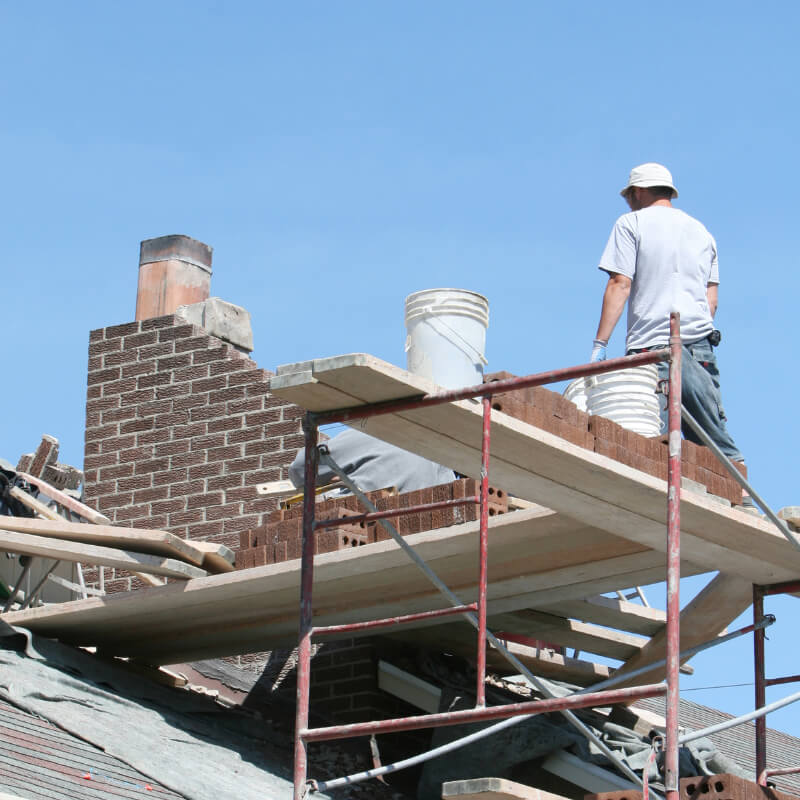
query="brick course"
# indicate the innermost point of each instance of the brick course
(280, 538)
(550, 411)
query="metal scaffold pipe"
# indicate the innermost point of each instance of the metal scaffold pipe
(732, 723)
(456, 744)
(739, 478)
(543, 686)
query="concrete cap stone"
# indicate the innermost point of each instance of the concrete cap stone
(219, 318)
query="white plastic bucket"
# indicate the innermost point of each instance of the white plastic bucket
(627, 397)
(576, 393)
(446, 336)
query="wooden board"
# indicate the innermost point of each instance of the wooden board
(706, 617)
(535, 555)
(63, 499)
(582, 636)
(538, 466)
(216, 557)
(153, 542)
(613, 613)
(26, 544)
(494, 789)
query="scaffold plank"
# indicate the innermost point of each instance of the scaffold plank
(613, 613)
(708, 614)
(538, 466)
(536, 556)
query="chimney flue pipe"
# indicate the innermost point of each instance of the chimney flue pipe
(173, 271)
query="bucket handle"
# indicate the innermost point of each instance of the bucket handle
(455, 333)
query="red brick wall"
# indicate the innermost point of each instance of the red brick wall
(180, 427)
(552, 412)
(280, 538)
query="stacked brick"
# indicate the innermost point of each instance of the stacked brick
(180, 427)
(280, 538)
(550, 411)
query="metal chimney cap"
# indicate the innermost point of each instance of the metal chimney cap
(178, 247)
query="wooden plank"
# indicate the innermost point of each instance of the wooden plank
(494, 789)
(591, 777)
(706, 617)
(216, 557)
(571, 633)
(34, 504)
(613, 613)
(63, 499)
(212, 557)
(408, 687)
(25, 544)
(154, 542)
(535, 556)
(535, 465)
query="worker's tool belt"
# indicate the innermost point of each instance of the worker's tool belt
(714, 338)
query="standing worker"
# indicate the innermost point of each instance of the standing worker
(660, 259)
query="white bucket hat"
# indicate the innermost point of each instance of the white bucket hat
(651, 174)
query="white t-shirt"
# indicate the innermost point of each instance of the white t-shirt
(670, 258)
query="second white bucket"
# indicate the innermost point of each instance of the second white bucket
(627, 397)
(446, 336)
(576, 393)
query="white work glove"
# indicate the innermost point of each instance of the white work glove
(598, 350)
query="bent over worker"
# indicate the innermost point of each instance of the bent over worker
(660, 259)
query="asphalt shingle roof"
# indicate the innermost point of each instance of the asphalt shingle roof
(739, 743)
(39, 760)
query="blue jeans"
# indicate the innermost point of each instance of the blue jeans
(701, 395)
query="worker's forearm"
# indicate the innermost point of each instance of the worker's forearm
(614, 301)
(712, 293)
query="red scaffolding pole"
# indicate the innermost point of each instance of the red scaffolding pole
(312, 420)
(761, 680)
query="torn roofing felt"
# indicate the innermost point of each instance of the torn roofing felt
(179, 740)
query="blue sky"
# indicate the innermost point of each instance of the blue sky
(339, 156)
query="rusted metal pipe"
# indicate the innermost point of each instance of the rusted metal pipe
(671, 772)
(351, 627)
(456, 744)
(483, 389)
(759, 638)
(469, 715)
(779, 681)
(780, 524)
(539, 683)
(787, 587)
(311, 434)
(480, 691)
(770, 773)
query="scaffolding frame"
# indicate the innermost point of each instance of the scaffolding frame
(311, 423)
(762, 682)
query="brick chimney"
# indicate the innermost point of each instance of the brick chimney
(173, 271)
(180, 422)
